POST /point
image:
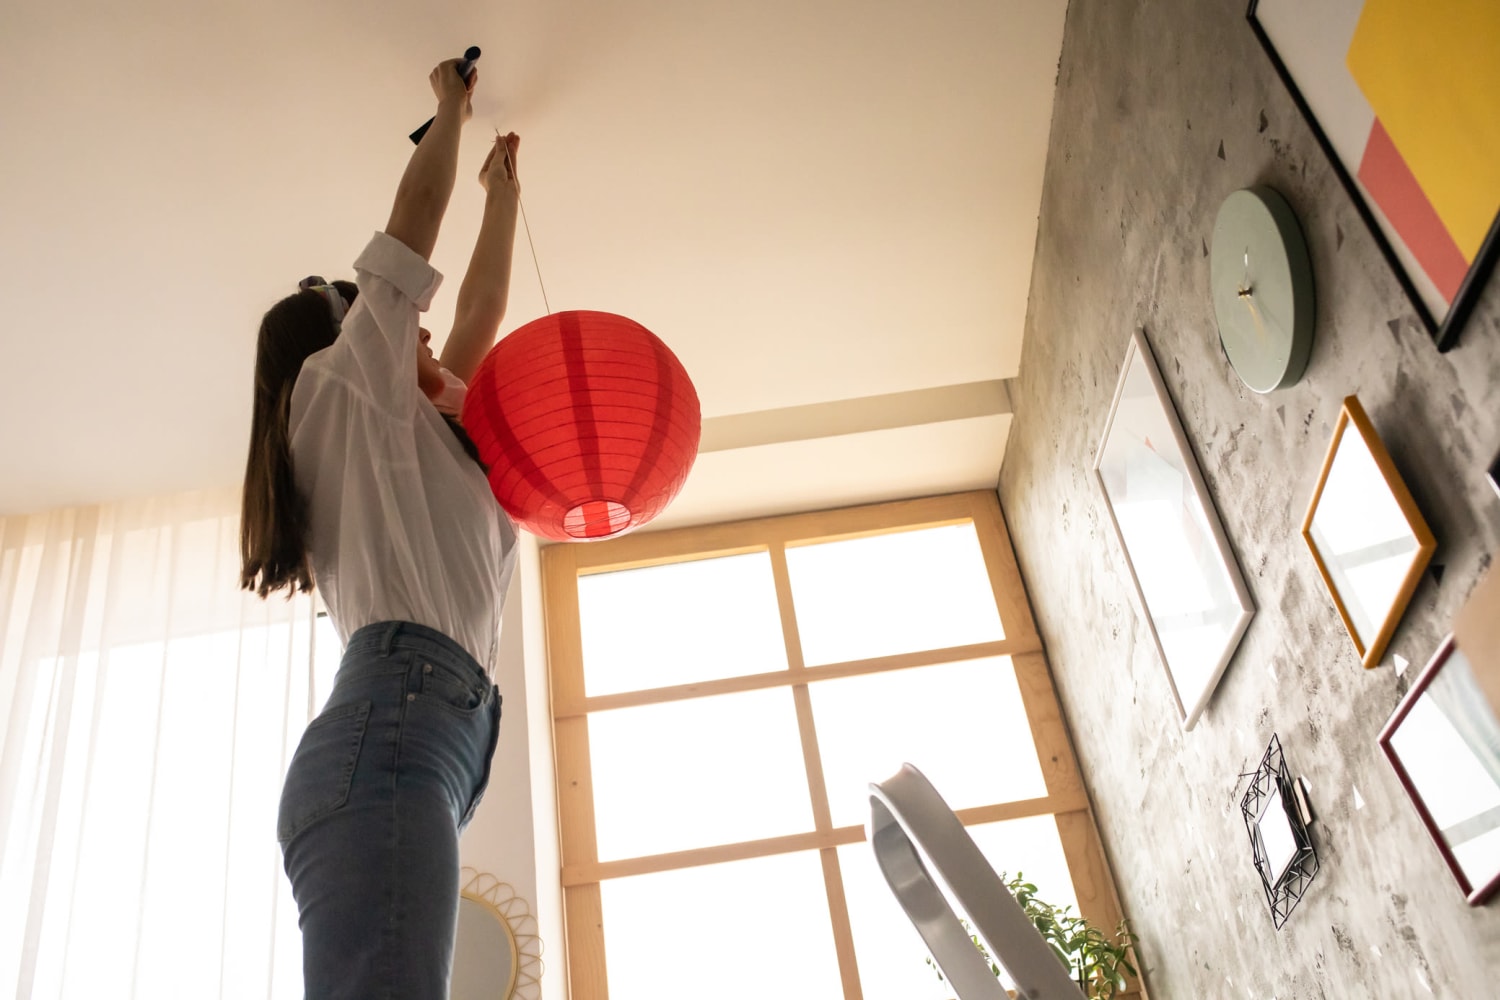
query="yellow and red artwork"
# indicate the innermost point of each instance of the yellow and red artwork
(1405, 97)
(1431, 74)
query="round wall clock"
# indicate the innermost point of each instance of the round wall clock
(1262, 288)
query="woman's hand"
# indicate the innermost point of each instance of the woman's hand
(485, 291)
(453, 90)
(427, 184)
(498, 175)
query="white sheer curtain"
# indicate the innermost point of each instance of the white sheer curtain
(148, 709)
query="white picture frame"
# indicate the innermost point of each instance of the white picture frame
(1187, 584)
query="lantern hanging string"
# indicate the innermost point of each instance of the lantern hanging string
(512, 164)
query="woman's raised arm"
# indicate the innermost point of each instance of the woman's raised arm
(485, 290)
(422, 197)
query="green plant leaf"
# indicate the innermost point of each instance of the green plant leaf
(1093, 959)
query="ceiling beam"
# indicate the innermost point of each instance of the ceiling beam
(856, 416)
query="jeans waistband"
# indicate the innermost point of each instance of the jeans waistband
(383, 638)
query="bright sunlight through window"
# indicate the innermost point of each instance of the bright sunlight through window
(712, 731)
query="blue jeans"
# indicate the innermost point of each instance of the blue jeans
(380, 787)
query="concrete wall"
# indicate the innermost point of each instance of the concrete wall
(1163, 108)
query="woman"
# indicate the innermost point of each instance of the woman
(360, 480)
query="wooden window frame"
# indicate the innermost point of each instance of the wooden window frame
(582, 871)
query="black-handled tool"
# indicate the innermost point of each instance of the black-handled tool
(465, 68)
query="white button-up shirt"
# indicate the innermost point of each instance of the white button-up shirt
(402, 523)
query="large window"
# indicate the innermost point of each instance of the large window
(722, 698)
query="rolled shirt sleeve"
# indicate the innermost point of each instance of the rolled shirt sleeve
(376, 352)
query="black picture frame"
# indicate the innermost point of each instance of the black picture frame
(1444, 334)
(1269, 782)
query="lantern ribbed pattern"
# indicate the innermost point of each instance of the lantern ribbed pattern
(588, 422)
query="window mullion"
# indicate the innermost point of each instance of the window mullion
(789, 632)
(843, 931)
(780, 678)
(833, 879)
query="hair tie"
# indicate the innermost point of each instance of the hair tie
(336, 303)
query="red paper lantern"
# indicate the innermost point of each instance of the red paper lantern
(588, 422)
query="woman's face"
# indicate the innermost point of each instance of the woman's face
(429, 372)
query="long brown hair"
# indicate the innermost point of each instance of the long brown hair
(273, 518)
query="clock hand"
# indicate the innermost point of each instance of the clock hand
(1246, 296)
(1260, 326)
(1246, 291)
(1270, 316)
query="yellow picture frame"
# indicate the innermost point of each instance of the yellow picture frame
(1352, 414)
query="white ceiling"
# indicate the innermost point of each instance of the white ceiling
(811, 202)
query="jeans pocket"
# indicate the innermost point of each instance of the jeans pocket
(449, 688)
(322, 769)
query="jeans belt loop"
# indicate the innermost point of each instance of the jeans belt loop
(389, 639)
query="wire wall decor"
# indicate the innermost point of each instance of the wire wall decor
(1276, 817)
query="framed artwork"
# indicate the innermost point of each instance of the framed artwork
(1276, 823)
(1191, 594)
(1444, 742)
(1401, 96)
(1366, 534)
